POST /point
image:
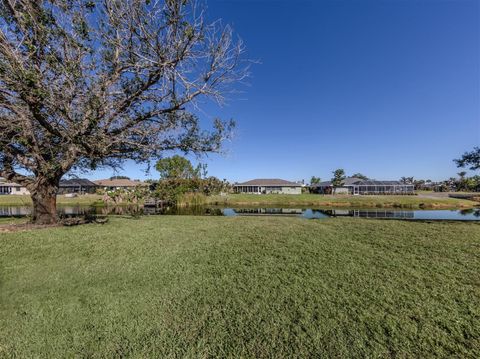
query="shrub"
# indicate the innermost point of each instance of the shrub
(191, 199)
(189, 190)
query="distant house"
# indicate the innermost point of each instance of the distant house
(265, 186)
(77, 185)
(112, 184)
(13, 188)
(353, 185)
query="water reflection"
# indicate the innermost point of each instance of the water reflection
(471, 211)
(267, 211)
(310, 213)
(14, 211)
(365, 213)
(460, 215)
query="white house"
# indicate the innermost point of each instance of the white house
(13, 188)
(265, 186)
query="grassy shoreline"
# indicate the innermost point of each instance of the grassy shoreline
(25, 200)
(413, 202)
(253, 287)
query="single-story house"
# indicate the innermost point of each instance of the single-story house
(264, 186)
(77, 185)
(353, 185)
(13, 188)
(112, 184)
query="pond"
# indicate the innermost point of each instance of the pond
(309, 213)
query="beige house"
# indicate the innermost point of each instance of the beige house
(268, 185)
(112, 184)
(13, 188)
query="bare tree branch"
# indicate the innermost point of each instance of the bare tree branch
(88, 83)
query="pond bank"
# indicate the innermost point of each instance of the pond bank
(67, 213)
(410, 202)
(306, 200)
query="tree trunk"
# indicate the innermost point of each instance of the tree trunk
(44, 198)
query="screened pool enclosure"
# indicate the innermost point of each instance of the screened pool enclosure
(364, 187)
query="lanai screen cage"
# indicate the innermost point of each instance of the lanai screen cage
(381, 187)
(353, 185)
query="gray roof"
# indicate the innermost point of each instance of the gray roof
(351, 181)
(77, 182)
(119, 182)
(271, 182)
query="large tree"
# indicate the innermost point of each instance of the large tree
(176, 167)
(471, 159)
(315, 180)
(338, 179)
(85, 84)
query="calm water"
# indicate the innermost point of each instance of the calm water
(461, 215)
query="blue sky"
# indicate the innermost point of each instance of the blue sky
(386, 88)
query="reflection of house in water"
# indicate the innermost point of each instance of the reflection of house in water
(371, 213)
(267, 211)
(383, 214)
(14, 211)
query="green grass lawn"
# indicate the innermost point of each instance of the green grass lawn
(16, 200)
(12, 220)
(263, 287)
(308, 199)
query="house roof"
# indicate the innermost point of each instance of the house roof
(350, 181)
(77, 182)
(119, 183)
(269, 182)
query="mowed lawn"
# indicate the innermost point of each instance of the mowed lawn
(256, 287)
(25, 200)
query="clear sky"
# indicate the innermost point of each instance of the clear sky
(388, 88)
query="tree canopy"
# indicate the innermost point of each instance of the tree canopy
(338, 178)
(119, 177)
(407, 180)
(361, 176)
(315, 180)
(177, 167)
(85, 84)
(471, 159)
